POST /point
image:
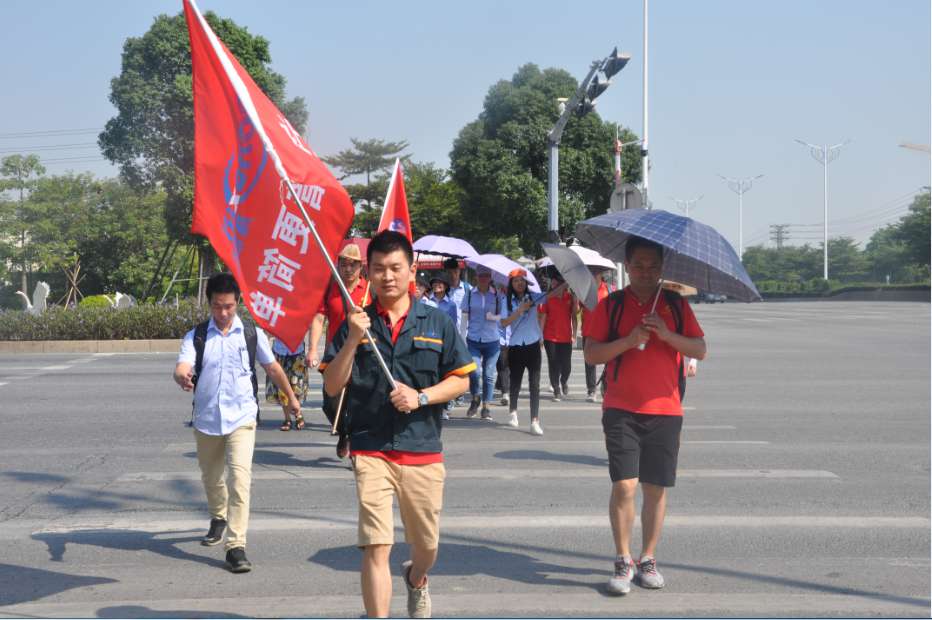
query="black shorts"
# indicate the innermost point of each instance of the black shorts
(642, 446)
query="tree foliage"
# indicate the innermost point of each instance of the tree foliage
(19, 175)
(500, 161)
(371, 157)
(151, 138)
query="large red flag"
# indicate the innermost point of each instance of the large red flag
(245, 154)
(395, 212)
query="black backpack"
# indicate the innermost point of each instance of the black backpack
(616, 304)
(200, 341)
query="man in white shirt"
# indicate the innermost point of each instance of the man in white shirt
(225, 408)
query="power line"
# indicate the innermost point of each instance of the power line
(50, 132)
(50, 147)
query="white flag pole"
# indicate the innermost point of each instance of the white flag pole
(243, 94)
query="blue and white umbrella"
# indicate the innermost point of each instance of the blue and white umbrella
(694, 254)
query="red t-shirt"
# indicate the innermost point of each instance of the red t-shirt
(332, 305)
(587, 314)
(648, 380)
(399, 457)
(559, 324)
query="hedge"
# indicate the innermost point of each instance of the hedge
(142, 322)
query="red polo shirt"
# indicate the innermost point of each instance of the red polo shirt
(399, 457)
(587, 314)
(647, 381)
(332, 305)
(559, 310)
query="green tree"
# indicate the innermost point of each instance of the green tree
(913, 230)
(846, 262)
(433, 203)
(368, 157)
(500, 161)
(19, 175)
(151, 138)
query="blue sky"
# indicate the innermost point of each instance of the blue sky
(732, 82)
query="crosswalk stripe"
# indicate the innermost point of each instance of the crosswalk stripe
(347, 521)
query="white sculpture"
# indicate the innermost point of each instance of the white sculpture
(121, 301)
(39, 295)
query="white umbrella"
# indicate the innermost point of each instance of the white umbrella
(589, 257)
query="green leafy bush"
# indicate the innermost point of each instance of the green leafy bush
(142, 322)
(95, 301)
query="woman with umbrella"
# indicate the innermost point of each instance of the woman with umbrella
(520, 310)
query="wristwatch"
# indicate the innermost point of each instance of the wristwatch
(422, 399)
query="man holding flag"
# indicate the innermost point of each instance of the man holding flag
(256, 182)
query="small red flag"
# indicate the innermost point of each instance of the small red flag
(395, 212)
(245, 154)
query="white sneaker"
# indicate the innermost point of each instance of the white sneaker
(592, 398)
(513, 418)
(535, 427)
(620, 583)
(445, 415)
(648, 576)
(418, 598)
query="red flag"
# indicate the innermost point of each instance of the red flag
(395, 212)
(245, 154)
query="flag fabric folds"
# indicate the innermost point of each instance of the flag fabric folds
(245, 154)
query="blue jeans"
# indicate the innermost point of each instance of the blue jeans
(485, 355)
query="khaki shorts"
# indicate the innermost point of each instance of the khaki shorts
(419, 489)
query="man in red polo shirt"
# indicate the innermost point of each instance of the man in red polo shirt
(558, 323)
(641, 414)
(333, 308)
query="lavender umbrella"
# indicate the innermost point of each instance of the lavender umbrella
(501, 266)
(445, 246)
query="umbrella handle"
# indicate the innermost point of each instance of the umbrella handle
(643, 345)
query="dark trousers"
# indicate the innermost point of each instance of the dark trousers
(590, 374)
(559, 358)
(503, 380)
(521, 357)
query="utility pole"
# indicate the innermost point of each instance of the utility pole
(779, 233)
(740, 187)
(824, 154)
(645, 159)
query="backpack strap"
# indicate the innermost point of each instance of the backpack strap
(200, 341)
(616, 307)
(675, 302)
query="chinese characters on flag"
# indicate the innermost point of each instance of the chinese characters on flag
(245, 149)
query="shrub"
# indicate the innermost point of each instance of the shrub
(142, 322)
(95, 301)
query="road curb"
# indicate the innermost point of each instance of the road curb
(90, 346)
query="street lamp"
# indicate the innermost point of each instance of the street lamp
(684, 204)
(740, 187)
(581, 103)
(824, 154)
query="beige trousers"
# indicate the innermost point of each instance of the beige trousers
(228, 499)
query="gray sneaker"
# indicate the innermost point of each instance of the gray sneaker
(486, 414)
(418, 598)
(648, 576)
(620, 583)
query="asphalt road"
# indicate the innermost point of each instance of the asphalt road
(804, 489)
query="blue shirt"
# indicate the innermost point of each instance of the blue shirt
(279, 348)
(477, 305)
(457, 294)
(445, 305)
(525, 329)
(223, 398)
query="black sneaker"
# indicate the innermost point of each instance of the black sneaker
(215, 533)
(236, 560)
(473, 407)
(486, 414)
